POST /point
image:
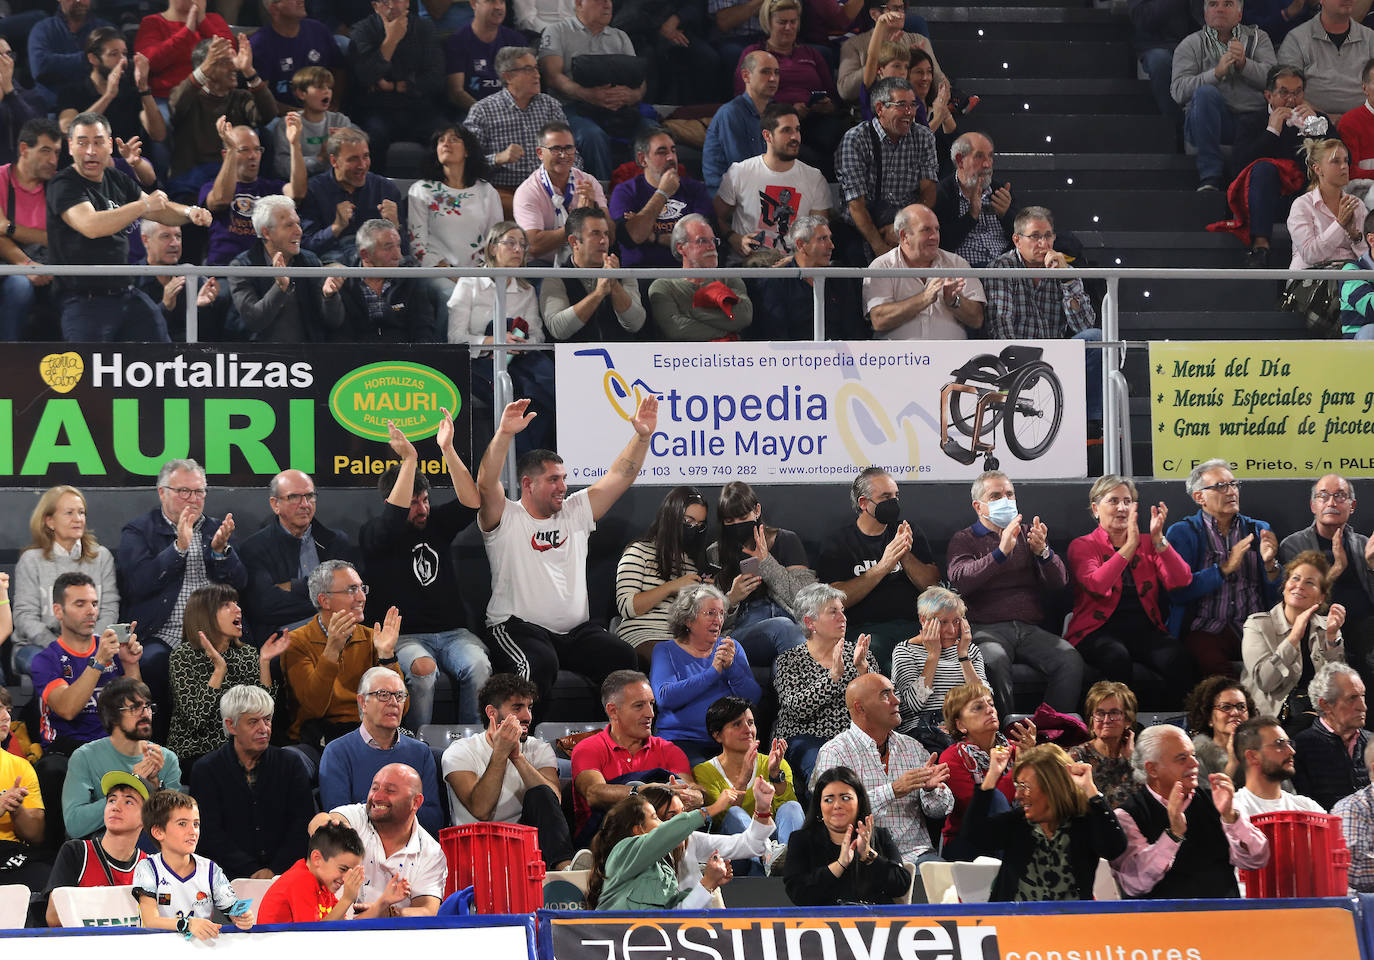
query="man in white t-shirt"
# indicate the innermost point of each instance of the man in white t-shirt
(503, 775)
(761, 197)
(1267, 753)
(916, 307)
(395, 847)
(537, 546)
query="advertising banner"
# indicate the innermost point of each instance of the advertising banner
(1272, 409)
(791, 412)
(111, 415)
(1326, 932)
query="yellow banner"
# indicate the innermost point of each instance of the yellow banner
(1273, 409)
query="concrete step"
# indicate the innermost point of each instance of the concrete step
(1042, 24)
(1214, 325)
(1224, 299)
(1037, 58)
(1095, 171)
(1067, 133)
(1127, 210)
(1114, 95)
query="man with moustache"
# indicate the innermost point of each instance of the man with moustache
(1268, 756)
(761, 197)
(975, 214)
(503, 775)
(647, 207)
(1330, 761)
(118, 88)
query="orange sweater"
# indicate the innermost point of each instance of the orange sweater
(327, 688)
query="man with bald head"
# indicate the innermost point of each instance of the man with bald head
(905, 784)
(918, 308)
(231, 195)
(281, 556)
(1351, 555)
(394, 843)
(736, 131)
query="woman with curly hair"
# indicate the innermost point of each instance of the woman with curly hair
(1216, 707)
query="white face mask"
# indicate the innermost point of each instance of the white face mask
(1002, 512)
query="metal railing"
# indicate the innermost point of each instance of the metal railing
(1116, 430)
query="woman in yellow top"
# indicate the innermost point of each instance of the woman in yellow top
(730, 722)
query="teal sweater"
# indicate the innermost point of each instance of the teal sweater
(637, 875)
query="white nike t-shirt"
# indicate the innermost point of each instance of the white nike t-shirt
(539, 567)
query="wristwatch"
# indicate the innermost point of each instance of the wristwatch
(954, 304)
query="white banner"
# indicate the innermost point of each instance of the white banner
(789, 412)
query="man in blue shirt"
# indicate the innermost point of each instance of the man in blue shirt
(735, 132)
(57, 48)
(340, 200)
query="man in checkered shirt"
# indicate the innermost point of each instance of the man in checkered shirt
(1357, 822)
(507, 123)
(974, 210)
(905, 784)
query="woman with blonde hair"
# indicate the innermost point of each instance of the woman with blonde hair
(61, 543)
(1326, 223)
(1050, 845)
(470, 310)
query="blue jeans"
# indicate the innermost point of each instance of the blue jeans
(786, 818)
(463, 659)
(1364, 333)
(16, 296)
(23, 656)
(1208, 124)
(1264, 196)
(1159, 65)
(802, 750)
(128, 317)
(1092, 372)
(765, 630)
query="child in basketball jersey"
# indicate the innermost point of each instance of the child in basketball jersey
(175, 889)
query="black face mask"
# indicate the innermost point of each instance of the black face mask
(887, 512)
(692, 538)
(741, 535)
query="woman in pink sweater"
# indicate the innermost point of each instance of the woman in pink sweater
(1118, 577)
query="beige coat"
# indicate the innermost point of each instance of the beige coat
(1273, 665)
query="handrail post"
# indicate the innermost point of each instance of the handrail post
(502, 392)
(817, 308)
(190, 291)
(1111, 426)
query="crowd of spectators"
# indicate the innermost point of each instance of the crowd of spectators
(742, 684)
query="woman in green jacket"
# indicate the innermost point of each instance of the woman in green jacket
(630, 869)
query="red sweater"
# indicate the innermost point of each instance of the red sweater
(1096, 570)
(1357, 130)
(168, 46)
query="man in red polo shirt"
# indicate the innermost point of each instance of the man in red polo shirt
(609, 765)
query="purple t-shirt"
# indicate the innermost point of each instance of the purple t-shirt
(55, 667)
(231, 231)
(277, 58)
(466, 54)
(630, 197)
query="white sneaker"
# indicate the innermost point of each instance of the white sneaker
(774, 857)
(582, 860)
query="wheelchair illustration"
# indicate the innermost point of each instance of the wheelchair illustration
(1016, 389)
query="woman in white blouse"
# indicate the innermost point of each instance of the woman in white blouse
(470, 310)
(452, 206)
(1326, 223)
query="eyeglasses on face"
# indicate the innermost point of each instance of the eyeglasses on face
(1237, 708)
(1340, 496)
(140, 707)
(353, 589)
(298, 498)
(565, 150)
(186, 493)
(388, 696)
(1224, 486)
(1109, 715)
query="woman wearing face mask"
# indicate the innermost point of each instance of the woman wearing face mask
(654, 569)
(925, 668)
(759, 611)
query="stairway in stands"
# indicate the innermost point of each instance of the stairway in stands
(1076, 131)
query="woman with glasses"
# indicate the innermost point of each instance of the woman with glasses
(1110, 708)
(1118, 576)
(471, 309)
(211, 659)
(61, 543)
(1050, 844)
(838, 855)
(971, 721)
(452, 206)
(1216, 708)
(655, 568)
(932, 663)
(695, 669)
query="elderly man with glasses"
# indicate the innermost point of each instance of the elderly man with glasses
(329, 656)
(350, 763)
(696, 308)
(1236, 572)
(1351, 555)
(164, 556)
